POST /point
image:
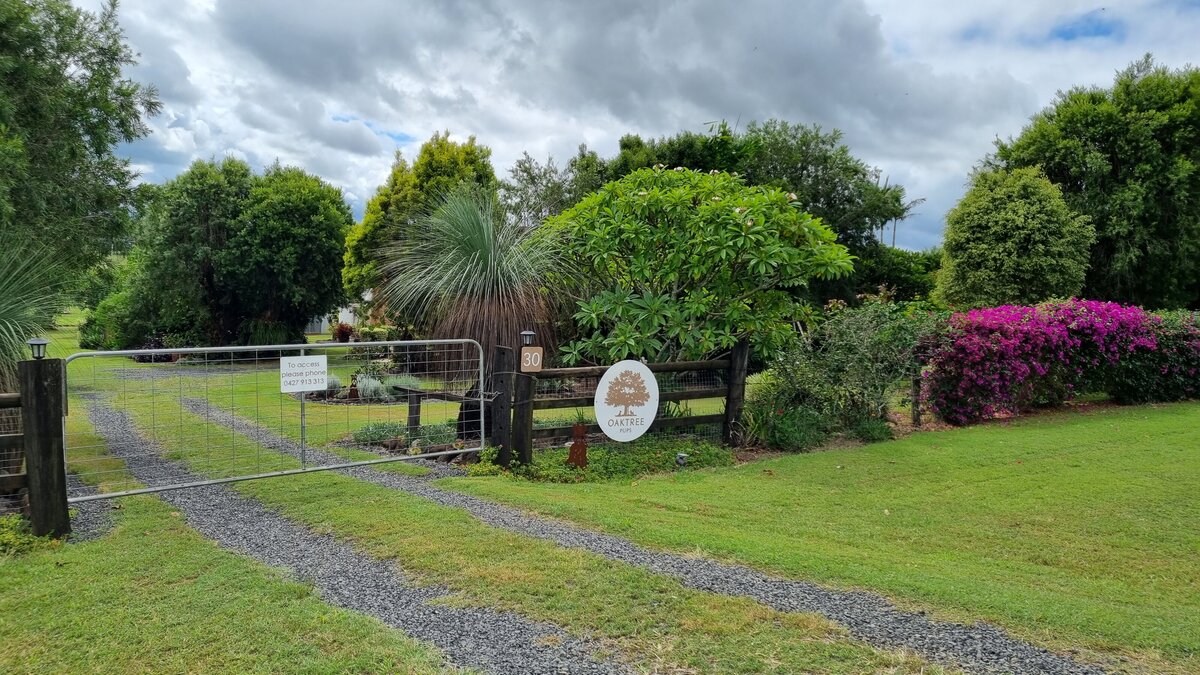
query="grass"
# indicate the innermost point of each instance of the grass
(649, 619)
(152, 595)
(1074, 530)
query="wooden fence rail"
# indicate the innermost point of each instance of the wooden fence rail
(515, 400)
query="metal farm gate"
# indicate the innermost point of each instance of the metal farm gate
(159, 419)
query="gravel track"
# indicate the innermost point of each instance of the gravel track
(497, 642)
(981, 647)
(89, 520)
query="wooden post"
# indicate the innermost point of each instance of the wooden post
(45, 459)
(502, 385)
(524, 389)
(735, 399)
(414, 414)
(916, 402)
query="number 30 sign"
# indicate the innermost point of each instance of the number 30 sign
(531, 359)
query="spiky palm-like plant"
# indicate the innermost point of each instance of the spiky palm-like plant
(31, 295)
(466, 271)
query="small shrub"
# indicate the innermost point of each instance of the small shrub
(342, 332)
(371, 389)
(375, 433)
(17, 539)
(333, 383)
(797, 429)
(486, 466)
(437, 434)
(873, 431)
(402, 382)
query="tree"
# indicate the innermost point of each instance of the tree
(441, 165)
(464, 270)
(224, 256)
(283, 262)
(626, 390)
(1129, 158)
(394, 205)
(1012, 239)
(64, 107)
(683, 264)
(828, 181)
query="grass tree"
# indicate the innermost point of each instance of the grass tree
(466, 271)
(31, 295)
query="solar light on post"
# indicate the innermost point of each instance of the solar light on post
(37, 347)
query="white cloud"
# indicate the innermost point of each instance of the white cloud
(920, 89)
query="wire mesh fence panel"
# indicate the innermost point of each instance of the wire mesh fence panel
(191, 416)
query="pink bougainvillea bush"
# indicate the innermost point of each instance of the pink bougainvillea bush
(1170, 371)
(1010, 358)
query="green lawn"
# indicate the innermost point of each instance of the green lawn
(651, 620)
(1075, 530)
(152, 596)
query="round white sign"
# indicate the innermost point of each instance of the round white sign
(626, 401)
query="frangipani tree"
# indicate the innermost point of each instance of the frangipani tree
(683, 264)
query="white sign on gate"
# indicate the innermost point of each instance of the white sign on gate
(303, 373)
(626, 401)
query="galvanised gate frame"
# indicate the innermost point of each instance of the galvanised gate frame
(202, 418)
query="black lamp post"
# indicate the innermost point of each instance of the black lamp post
(526, 338)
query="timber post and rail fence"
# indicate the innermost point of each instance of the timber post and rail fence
(516, 398)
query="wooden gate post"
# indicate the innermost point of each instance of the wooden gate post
(42, 387)
(502, 385)
(735, 400)
(524, 388)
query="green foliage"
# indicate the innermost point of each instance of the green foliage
(17, 539)
(872, 431)
(442, 165)
(1169, 372)
(375, 433)
(685, 264)
(840, 376)
(1013, 240)
(624, 461)
(393, 206)
(1128, 157)
(907, 275)
(100, 280)
(65, 106)
(32, 294)
(465, 271)
(282, 262)
(828, 181)
(224, 256)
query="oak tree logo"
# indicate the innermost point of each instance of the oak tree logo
(627, 390)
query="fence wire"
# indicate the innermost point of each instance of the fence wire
(221, 414)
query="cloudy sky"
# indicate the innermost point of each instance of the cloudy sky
(920, 87)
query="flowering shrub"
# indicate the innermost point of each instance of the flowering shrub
(1168, 372)
(1009, 358)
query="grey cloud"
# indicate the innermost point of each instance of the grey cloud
(546, 75)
